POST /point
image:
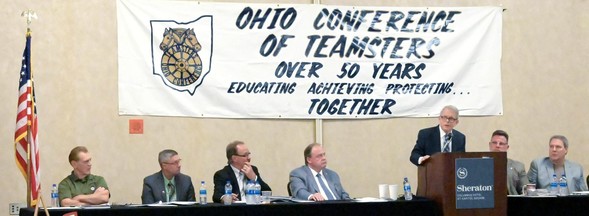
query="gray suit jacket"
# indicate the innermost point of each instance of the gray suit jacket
(541, 171)
(516, 177)
(303, 183)
(154, 191)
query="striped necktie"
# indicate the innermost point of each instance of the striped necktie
(447, 140)
(172, 192)
(324, 187)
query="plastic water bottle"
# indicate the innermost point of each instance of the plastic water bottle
(249, 192)
(554, 186)
(202, 199)
(228, 198)
(563, 190)
(407, 189)
(54, 196)
(258, 193)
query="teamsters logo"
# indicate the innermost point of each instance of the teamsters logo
(181, 64)
(462, 173)
(182, 52)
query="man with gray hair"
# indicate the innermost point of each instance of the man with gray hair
(440, 138)
(168, 184)
(542, 169)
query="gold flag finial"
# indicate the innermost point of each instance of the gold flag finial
(30, 15)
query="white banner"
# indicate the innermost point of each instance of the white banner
(228, 60)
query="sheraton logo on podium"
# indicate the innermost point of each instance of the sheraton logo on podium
(461, 173)
(464, 188)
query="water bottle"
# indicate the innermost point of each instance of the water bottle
(202, 194)
(563, 190)
(407, 189)
(258, 193)
(554, 186)
(228, 198)
(54, 196)
(249, 192)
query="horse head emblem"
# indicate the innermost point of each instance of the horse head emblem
(180, 36)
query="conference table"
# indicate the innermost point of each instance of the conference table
(417, 206)
(518, 205)
(567, 205)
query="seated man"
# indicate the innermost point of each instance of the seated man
(81, 187)
(313, 181)
(542, 169)
(238, 171)
(168, 184)
(516, 171)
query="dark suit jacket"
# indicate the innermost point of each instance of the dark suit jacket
(303, 183)
(154, 189)
(227, 173)
(428, 143)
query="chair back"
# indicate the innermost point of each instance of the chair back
(290, 193)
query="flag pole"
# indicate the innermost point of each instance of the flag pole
(30, 15)
(33, 127)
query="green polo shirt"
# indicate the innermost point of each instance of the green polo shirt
(71, 186)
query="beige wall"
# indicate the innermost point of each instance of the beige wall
(545, 92)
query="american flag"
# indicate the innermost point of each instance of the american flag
(25, 136)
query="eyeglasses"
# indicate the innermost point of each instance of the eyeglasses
(174, 163)
(499, 143)
(448, 119)
(244, 155)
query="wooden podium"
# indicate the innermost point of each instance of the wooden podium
(437, 181)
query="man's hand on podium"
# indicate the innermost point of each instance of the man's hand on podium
(422, 159)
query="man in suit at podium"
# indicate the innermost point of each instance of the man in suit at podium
(168, 184)
(542, 169)
(516, 171)
(238, 171)
(313, 181)
(440, 138)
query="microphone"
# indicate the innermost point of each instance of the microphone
(450, 136)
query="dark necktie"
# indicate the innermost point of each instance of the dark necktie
(447, 140)
(324, 187)
(171, 192)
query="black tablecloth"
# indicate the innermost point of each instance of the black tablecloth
(400, 207)
(568, 205)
